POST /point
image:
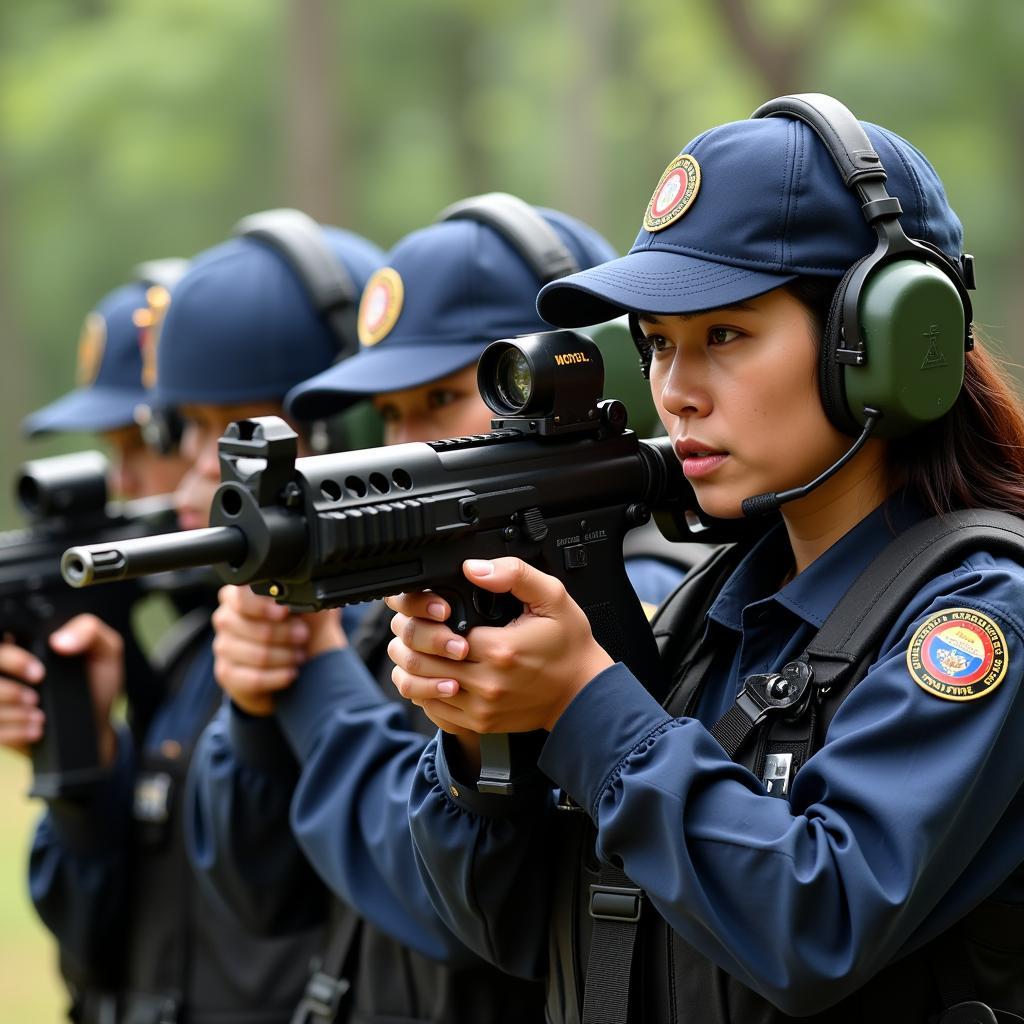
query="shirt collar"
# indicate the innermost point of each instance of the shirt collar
(816, 591)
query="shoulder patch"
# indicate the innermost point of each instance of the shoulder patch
(957, 654)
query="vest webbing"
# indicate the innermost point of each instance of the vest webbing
(838, 655)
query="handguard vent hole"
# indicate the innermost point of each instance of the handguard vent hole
(379, 482)
(355, 486)
(402, 480)
(331, 490)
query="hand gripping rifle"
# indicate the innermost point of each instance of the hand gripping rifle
(64, 500)
(558, 482)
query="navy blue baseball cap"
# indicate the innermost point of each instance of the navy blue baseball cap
(242, 325)
(748, 207)
(109, 374)
(447, 292)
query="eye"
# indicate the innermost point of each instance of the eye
(442, 397)
(722, 335)
(388, 413)
(658, 342)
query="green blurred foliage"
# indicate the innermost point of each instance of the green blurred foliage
(138, 128)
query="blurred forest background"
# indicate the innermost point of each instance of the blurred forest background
(133, 129)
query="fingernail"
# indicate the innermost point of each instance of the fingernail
(61, 638)
(34, 674)
(456, 647)
(29, 697)
(479, 566)
(436, 610)
(299, 632)
(446, 688)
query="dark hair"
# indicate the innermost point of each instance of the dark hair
(973, 457)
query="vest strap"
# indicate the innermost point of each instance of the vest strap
(328, 985)
(615, 905)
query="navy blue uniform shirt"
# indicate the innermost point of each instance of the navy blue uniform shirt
(908, 816)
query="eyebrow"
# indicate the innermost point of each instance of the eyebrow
(653, 318)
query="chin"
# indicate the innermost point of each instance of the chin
(720, 502)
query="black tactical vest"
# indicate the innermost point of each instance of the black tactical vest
(660, 976)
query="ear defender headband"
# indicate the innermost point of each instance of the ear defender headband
(298, 240)
(892, 356)
(522, 227)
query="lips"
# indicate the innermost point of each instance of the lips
(698, 458)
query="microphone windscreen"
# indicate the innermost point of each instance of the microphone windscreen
(760, 504)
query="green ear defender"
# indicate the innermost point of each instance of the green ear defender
(892, 355)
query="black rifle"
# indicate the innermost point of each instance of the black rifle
(557, 483)
(64, 500)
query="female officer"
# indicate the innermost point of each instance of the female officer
(350, 748)
(878, 878)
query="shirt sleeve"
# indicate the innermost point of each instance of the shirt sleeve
(908, 816)
(487, 860)
(240, 786)
(358, 755)
(78, 870)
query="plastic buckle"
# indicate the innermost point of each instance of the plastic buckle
(321, 999)
(615, 903)
(776, 691)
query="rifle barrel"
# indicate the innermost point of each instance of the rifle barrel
(142, 556)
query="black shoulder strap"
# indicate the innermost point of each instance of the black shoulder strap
(853, 632)
(324, 999)
(863, 616)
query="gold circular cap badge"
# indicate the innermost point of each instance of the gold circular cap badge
(675, 193)
(91, 343)
(380, 306)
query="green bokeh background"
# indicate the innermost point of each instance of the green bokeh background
(132, 129)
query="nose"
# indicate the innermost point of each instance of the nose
(207, 462)
(684, 388)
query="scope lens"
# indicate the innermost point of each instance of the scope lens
(514, 379)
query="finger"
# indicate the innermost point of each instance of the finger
(253, 605)
(240, 651)
(86, 634)
(429, 666)
(242, 679)
(21, 727)
(444, 716)
(421, 605)
(429, 637)
(289, 633)
(541, 592)
(421, 688)
(16, 661)
(17, 694)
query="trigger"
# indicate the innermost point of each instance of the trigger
(499, 608)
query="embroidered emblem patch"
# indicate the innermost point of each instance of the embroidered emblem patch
(149, 321)
(957, 654)
(381, 306)
(675, 193)
(91, 343)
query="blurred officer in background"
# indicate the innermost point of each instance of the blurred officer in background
(111, 398)
(313, 715)
(109, 876)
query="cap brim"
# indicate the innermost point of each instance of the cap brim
(376, 371)
(650, 281)
(86, 409)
